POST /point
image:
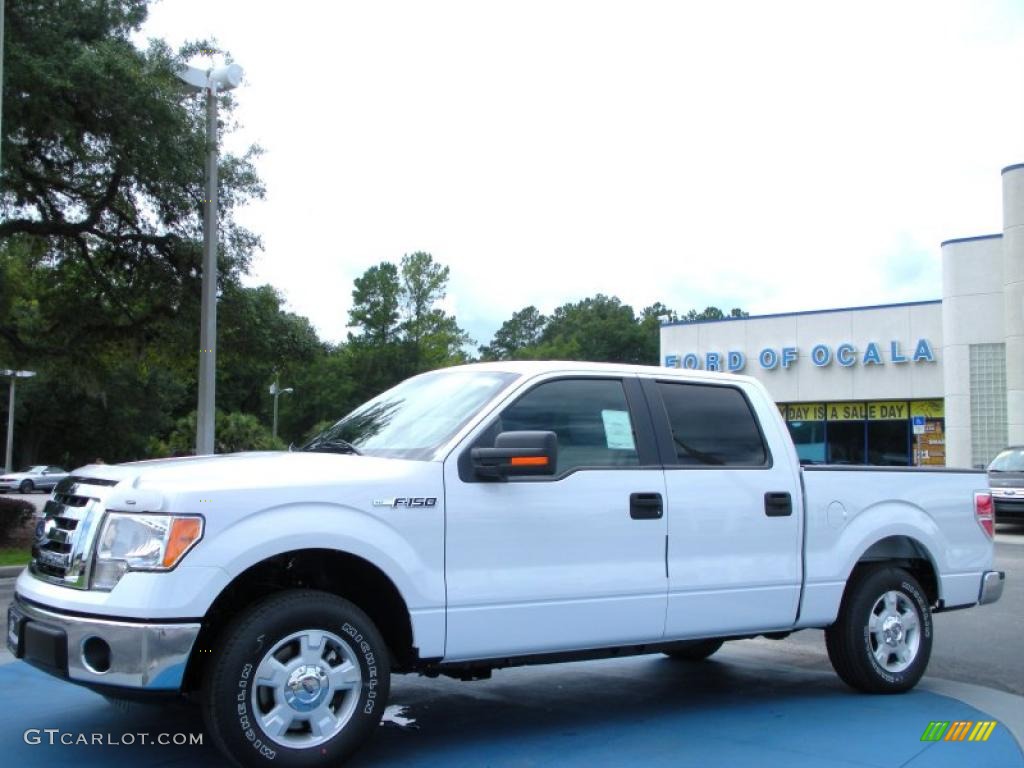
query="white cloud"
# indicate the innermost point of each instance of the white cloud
(777, 156)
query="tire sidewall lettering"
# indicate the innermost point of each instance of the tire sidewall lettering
(244, 714)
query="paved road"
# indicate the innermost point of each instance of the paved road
(980, 646)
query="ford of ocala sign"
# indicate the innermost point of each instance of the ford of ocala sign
(845, 355)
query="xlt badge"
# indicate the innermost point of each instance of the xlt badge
(407, 501)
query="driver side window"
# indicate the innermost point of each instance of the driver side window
(589, 416)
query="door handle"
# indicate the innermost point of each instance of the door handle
(645, 506)
(778, 504)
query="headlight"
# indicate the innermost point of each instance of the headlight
(131, 542)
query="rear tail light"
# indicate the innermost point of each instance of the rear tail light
(985, 512)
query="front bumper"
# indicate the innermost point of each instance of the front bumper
(991, 586)
(102, 653)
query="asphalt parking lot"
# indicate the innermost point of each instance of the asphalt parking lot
(764, 702)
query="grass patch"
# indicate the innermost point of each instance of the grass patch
(15, 555)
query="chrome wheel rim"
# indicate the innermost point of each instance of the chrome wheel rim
(306, 688)
(894, 631)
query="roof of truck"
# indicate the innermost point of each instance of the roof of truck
(534, 367)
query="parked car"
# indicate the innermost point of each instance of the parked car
(1006, 478)
(481, 517)
(37, 478)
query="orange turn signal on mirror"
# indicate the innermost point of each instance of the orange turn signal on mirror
(529, 461)
(185, 531)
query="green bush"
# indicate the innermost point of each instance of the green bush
(234, 432)
(14, 517)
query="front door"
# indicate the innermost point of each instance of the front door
(567, 562)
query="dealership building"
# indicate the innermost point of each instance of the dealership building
(927, 383)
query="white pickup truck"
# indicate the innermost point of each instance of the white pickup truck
(481, 517)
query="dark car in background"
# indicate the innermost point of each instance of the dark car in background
(1006, 479)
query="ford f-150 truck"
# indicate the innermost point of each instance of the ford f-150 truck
(480, 517)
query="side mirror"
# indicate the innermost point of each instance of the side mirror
(517, 453)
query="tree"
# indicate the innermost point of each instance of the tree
(601, 327)
(376, 303)
(521, 331)
(99, 243)
(432, 337)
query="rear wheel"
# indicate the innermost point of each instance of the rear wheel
(26, 486)
(883, 638)
(300, 679)
(694, 650)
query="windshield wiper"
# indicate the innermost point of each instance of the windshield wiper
(332, 445)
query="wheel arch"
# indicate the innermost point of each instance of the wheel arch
(904, 551)
(340, 573)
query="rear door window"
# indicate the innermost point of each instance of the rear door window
(712, 426)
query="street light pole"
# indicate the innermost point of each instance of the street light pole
(15, 375)
(210, 82)
(206, 407)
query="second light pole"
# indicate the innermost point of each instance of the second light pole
(209, 81)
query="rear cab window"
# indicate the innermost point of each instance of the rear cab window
(712, 426)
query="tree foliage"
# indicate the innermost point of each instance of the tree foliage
(100, 230)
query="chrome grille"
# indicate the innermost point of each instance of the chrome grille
(62, 551)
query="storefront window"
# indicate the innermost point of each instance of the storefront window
(806, 422)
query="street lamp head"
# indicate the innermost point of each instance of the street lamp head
(220, 78)
(18, 374)
(227, 77)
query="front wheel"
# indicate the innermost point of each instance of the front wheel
(300, 679)
(26, 486)
(883, 638)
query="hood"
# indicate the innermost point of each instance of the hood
(245, 471)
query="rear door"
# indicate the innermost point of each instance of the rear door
(566, 562)
(734, 517)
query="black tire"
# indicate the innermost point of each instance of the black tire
(232, 716)
(694, 650)
(854, 649)
(26, 487)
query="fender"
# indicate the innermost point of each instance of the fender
(338, 527)
(341, 528)
(832, 561)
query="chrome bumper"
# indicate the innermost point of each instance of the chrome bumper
(138, 655)
(991, 586)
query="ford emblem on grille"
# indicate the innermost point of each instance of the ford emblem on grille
(41, 531)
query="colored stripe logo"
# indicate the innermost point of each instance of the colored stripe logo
(958, 730)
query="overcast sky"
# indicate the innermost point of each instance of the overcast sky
(775, 156)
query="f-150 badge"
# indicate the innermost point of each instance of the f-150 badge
(407, 501)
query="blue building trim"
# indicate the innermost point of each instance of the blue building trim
(944, 243)
(806, 312)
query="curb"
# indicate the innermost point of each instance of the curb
(10, 571)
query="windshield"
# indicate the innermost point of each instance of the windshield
(415, 418)
(33, 470)
(1010, 460)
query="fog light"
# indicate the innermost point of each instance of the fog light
(106, 574)
(96, 655)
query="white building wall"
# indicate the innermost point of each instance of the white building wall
(972, 313)
(1013, 299)
(805, 382)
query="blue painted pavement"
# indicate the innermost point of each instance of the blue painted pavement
(646, 711)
